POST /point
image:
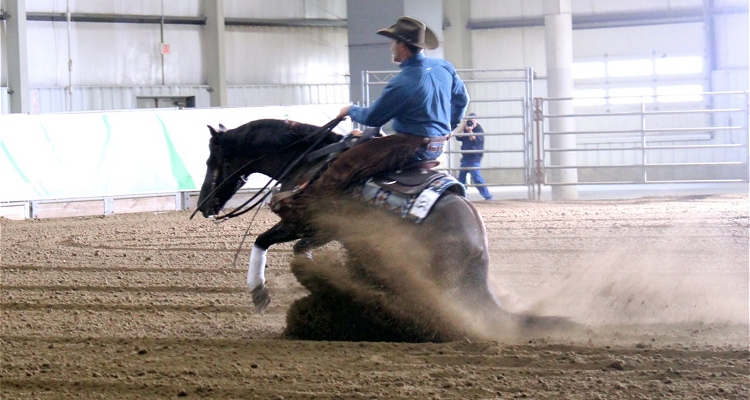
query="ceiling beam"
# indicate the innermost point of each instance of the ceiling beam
(177, 20)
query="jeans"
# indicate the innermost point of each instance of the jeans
(476, 177)
(424, 155)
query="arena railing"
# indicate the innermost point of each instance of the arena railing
(656, 143)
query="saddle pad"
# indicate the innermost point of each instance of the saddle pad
(412, 207)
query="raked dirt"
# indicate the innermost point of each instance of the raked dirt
(152, 306)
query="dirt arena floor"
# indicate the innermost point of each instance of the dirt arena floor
(151, 306)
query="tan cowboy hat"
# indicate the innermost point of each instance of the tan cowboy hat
(413, 32)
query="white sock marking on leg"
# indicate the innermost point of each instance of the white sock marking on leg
(256, 268)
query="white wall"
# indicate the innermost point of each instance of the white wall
(268, 55)
(115, 55)
(185, 8)
(129, 54)
(732, 45)
(325, 9)
(3, 54)
(608, 6)
(492, 9)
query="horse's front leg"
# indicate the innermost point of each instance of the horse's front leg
(256, 280)
(305, 245)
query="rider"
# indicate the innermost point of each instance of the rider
(426, 101)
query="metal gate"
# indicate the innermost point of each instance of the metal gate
(659, 139)
(502, 100)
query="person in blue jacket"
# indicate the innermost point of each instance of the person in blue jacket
(425, 101)
(474, 144)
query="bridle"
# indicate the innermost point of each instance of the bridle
(258, 198)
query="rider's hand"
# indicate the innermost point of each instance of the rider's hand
(343, 113)
(356, 133)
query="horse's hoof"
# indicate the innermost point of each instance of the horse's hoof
(304, 256)
(261, 298)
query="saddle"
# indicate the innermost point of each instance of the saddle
(411, 179)
(409, 192)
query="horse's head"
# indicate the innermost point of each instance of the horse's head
(219, 168)
(264, 146)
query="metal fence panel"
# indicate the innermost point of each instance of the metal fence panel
(663, 142)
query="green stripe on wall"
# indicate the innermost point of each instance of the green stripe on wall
(179, 170)
(20, 172)
(106, 141)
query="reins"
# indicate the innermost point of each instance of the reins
(263, 191)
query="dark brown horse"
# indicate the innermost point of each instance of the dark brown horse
(452, 236)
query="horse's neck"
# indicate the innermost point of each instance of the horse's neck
(279, 163)
(277, 158)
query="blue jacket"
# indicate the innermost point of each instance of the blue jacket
(427, 98)
(476, 144)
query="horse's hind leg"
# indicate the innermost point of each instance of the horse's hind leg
(256, 280)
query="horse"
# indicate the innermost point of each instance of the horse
(452, 235)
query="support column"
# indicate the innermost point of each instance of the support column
(558, 29)
(18, 77)
(369, 51)
(215, 57)
(457, 36)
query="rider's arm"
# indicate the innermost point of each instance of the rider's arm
(383, 109)
(459, 100)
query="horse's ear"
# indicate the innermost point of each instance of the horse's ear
(222, 128)
(214, 133)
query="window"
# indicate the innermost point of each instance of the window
(589, 97)
(679, 65)
(641, 79)
(681, 93)
(631, 95)
(630, 68)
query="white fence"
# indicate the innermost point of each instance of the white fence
(62, 157)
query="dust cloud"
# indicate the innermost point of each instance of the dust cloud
(631, 269)
(384, 288)
(647, 271)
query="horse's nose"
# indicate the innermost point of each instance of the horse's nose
(211, 209)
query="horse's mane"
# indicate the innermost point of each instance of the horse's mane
(269, 133)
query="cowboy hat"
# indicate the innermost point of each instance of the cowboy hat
(413, 32)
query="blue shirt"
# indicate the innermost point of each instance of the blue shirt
(427, 98)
